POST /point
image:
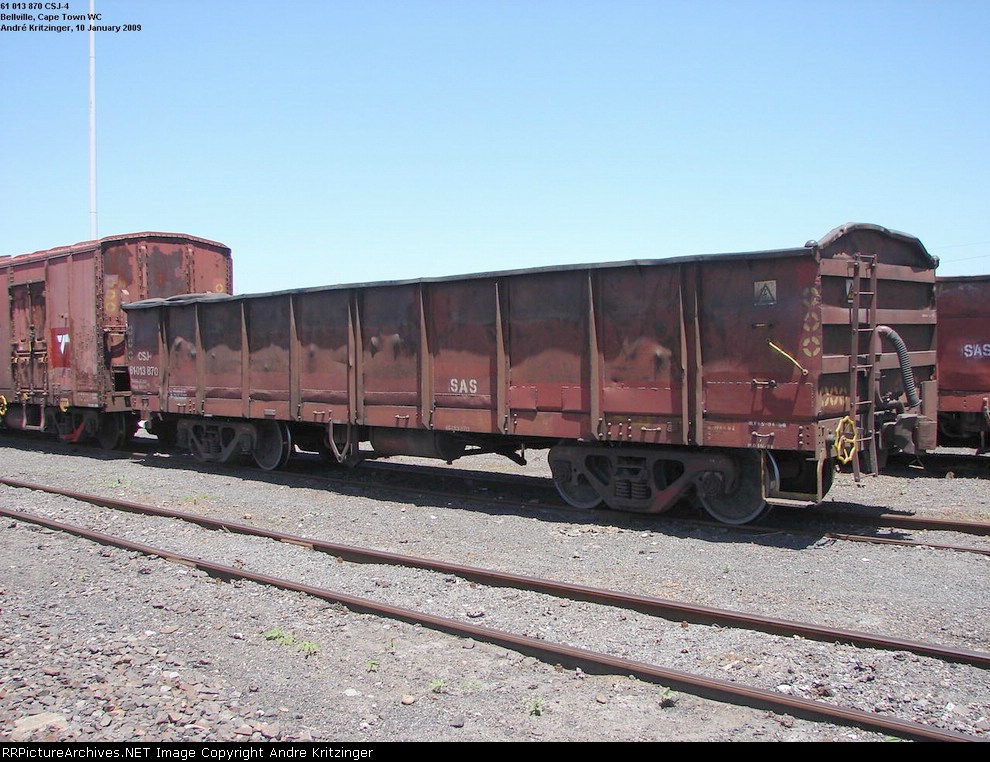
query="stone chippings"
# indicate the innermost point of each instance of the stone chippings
(100, 644)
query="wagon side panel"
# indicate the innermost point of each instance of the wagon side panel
(963, 344)
(323, 330)
(391, 340)
(550, 391)
(147, 359)
(120, 280)
(463, 331)
(221, 336)
(72, 375)
(165, 266)
(6, 376)
(181, 343)
(640, 336)
(268, 322)
(28, 295)
(209, 267)
(761, 352)
(55, 341)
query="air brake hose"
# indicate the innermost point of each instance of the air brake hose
(907, 373)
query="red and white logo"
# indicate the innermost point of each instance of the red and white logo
(59, 352)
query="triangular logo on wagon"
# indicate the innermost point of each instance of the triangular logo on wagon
(60, 348)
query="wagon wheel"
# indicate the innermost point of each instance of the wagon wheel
(111, 432)
(746, 499)
(574, 486)
(272, 445)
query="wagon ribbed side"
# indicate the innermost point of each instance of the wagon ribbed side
(732, 377)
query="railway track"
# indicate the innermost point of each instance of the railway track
(531, 493)
(796, 520)
(669, 609)
(589, 661)
(480, 487)
(569, 656)
(545, 497)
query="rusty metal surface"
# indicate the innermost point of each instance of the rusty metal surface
(741, 351)
(963, 343)
(61, 313)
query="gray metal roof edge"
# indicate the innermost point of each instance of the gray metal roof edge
(495, 274)
(835, 233)
(811, 248)
(961, 278)
(92, 244)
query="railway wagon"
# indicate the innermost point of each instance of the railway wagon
(61, 319)
(735, 378)
(964, 361)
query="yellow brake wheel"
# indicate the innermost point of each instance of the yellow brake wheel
(845, 440)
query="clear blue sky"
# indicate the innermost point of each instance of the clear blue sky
(331, 141)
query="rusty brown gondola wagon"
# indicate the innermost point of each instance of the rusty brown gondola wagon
(62, 322)
(737, 378)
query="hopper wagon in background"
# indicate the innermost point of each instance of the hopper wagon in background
(733, 379)
(62, 322)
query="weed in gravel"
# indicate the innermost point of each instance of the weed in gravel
(280, 636)
(372, 665)
(536, 708)
(438, 686)
(667, 698)
(197, 499)
(286, 638)
(309, 648)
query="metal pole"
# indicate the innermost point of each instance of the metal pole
(92, 123)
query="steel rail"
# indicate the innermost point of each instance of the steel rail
(981, 528)
(589, 661)
(892, 520)
(897, 521)
(905, 543)
(766, 528)
(665, 608)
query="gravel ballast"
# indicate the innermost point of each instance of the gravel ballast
(103, 644)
